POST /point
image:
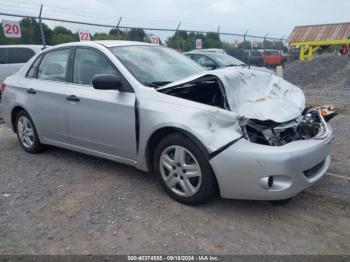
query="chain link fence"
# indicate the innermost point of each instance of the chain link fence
(48, 25)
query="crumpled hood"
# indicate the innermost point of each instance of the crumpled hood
(257, 95)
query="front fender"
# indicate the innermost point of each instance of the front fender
(213, 127)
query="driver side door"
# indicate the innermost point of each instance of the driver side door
(100, 121)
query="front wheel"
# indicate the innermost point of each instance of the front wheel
(183, 170)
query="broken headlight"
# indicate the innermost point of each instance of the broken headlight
(310, 125)
(326, 111)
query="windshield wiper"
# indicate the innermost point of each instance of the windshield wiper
(156, 84)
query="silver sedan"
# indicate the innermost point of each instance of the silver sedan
(237, 132)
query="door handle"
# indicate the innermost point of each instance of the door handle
(73, 98)
(31, 91)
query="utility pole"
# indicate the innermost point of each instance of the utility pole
(42, 28)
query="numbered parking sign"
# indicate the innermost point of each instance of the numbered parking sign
(198, 43)
(84, 36)
(155, 39)
(12, 29)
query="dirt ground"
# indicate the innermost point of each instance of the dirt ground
(62, 202)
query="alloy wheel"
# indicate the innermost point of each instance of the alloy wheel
(25, 132)
(180, 171)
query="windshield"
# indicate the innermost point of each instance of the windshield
(155, 65)
(227, 60)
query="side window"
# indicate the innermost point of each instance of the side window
(4, 56)
(19, 55)
(34, 68)
(204, 61)
(53, 66)
(89, 63)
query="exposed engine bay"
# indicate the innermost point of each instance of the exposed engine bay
(311, 124)
(206, 90)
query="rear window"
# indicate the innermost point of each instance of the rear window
(20, 55)
(53, 66)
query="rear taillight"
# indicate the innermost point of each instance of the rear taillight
(2, 87)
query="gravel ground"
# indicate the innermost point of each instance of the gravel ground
(326, 80)
(62, 202)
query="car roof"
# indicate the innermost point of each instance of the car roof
(107, 43)
(209, 50)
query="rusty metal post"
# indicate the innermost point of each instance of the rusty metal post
(244, 36)
(264, 43)
(42, 28)
(282, 42)
(177, 37)
(119, 21)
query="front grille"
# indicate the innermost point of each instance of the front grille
(309, 173)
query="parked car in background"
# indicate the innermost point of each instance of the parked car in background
(241, 133)
(272, 58)
(253, 57)
(13, 57)
(293, 53)
(284, 57)
(212, 50)
(212, 61)
(236, 53)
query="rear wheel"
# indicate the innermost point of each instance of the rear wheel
(26, 133)
(183, 170)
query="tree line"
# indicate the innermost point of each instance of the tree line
(181, 40)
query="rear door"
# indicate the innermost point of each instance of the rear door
(46, 84)
(4, 63)
(100, 120)
(18, 56)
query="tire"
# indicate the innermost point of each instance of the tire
(183, 170)
(27, 134)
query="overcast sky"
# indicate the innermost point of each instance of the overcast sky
(277, 17)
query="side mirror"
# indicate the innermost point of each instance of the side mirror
(107, 82)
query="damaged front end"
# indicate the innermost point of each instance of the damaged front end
(310, 125)
(269, 110)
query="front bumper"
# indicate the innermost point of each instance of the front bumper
(251, 171)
